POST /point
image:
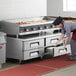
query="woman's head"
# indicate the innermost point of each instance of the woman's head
(58, 22)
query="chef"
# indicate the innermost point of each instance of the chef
(68, 28)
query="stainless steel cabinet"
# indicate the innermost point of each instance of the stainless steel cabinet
(2, 53)
(52, 39)
(24, 49)
(57, 51)
(33, 53)
(2, 48)
(33, 44)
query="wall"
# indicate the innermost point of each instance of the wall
(22, 8)
(55, 8)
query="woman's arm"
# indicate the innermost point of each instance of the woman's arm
(66, 41)
(61, 37)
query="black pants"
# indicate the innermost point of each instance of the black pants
(73, 48)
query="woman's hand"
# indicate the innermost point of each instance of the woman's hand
(63, 47)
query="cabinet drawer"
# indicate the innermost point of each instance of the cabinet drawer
(33, 44)
(33, 53)
(57, 51)
(51, 40)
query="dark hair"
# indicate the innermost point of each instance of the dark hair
(58, 20)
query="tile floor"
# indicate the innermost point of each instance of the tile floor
(69, 71)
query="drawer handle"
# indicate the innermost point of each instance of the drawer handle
(62, 50)
(34, 53)
(51, 41)
(34, 43)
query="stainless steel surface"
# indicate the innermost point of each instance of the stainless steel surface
(52, 39)
(33, 53)
(2, 48)
(9, 28)
(57, 51)
(22, 49)
(33, 44)
(14, 48)
(22, 29)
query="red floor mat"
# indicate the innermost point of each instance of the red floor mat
(26, 70)
(56, 62)
(38, 68)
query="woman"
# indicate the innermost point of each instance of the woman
(67, 28)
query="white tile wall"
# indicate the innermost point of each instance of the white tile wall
(22, 8)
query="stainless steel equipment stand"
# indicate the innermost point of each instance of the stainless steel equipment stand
(2, 48)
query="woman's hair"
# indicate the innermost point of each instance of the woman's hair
(58, 20)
